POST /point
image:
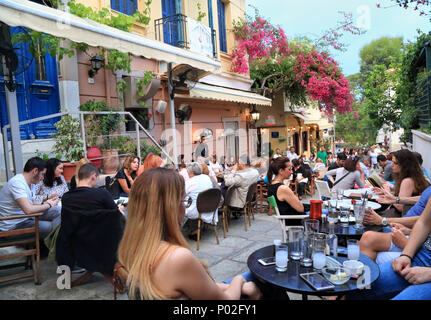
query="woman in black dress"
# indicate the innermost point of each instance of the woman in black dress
(288, 203)
(126, 176)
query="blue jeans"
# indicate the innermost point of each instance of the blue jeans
(50, 219)
(248, 276)
(391, 285)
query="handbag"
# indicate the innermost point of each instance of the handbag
(113, 187)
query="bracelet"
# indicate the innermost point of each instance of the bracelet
(50, 206)
(398, 200)
(406, 255)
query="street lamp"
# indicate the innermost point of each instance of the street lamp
(96, 64)
(255, 115)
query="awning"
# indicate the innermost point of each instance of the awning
(324, 126)
(209, 92)
(62, 24)
(305, 118)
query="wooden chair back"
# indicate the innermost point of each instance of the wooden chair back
(28, 237)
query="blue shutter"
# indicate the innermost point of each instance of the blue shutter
(210, 14)
(128, 7)
(222, 25)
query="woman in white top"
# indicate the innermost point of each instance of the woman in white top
(347, 176)
(53, 184)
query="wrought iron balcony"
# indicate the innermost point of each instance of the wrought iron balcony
(174, 30)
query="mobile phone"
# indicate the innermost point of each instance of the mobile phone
(267, 261)
(120, 201)
(316, 281)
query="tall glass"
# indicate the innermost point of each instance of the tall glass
(332, 212)
(344, 215)
(281, 258)
(319, 243)
(311, 225)
(340, 194)
(307, 250)
(353, 249)
(296, 237)
(359, 210)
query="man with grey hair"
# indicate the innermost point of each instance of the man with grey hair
(197, 183)
(364, 162)
(241, 178)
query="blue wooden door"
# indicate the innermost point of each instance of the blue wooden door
(222, 25)
(172, 24)
(37, 93)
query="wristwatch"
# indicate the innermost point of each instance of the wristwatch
(384, 222)
(398, 200)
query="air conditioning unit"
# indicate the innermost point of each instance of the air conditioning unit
(137, 96)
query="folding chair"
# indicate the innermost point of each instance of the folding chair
(283, 218)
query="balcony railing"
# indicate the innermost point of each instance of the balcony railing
(174, 30)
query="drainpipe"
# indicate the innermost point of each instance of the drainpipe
(172, 111)
(107, 83)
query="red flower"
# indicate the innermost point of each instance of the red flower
(150, 115)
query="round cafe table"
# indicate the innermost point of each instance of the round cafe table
(290, 280)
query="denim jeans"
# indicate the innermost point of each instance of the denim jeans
(248, 276)
(391, 285)
(50, 219)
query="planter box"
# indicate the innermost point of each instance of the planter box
(422, 144)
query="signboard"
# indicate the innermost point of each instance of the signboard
(200, 38)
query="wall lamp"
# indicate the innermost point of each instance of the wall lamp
(97, 63)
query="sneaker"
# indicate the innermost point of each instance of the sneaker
(78, 269)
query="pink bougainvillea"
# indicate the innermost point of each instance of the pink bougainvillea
(259, 43)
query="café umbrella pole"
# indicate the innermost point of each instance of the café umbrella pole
(172, 111)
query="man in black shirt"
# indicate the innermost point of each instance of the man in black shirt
(341, 157)
(91, 227)
(301, 172)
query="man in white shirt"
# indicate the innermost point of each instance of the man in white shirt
(16, 198)
(292, 154)
(214, 165)
(373, 157)
(242, 177)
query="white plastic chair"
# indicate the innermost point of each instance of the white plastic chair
(282, 218)
(323, 189)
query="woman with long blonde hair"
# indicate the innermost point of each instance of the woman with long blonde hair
(127, 175)
(74, 181)
(154, 252)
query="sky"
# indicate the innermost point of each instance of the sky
(312, 17)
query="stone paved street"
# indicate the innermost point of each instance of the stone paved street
(224, 260)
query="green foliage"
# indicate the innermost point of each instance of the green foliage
(201, 14)
(383, 51)
(68, 140)
(45, 156)
(100, 125)
(118, 61)
(359, 131)
(124, 145)
(140, 84)
(147, 148)
(40, 44)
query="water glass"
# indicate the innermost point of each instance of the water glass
(332, 214)
(319, 244)
(307, 251)
(296, 237)
(281, 258)
(353, 249)
(311, 225)
(359, 210)
(334, 195)
(340, 194)
(344, 216)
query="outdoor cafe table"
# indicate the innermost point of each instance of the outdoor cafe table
(292, 282)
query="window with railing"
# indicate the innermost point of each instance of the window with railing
(128, 7)
(222, 25)
(180, 31)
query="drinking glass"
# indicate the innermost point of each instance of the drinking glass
(332, 212)
(307, 250)
(344, 215)
(353, 249)
(281, 258)
(359, 210)
(296, 237)
(334, 195)
(311, 225)
(319, 243)
(340, 194)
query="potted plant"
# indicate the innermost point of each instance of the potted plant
(68, 144)
(101, 127)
